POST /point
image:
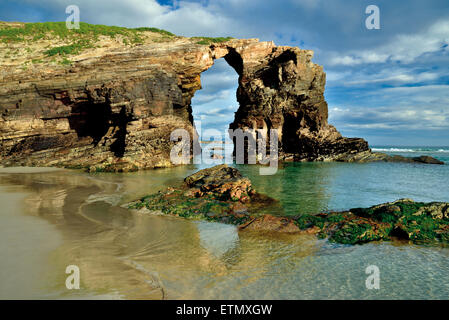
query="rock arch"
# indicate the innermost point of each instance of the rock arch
(147, 92)
(281, 88)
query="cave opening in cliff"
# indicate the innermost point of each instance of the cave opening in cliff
(90, 120)
(213, 106)
(120, 122)
(97, 122)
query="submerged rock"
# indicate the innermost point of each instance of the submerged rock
(427, 159)
(270, 223)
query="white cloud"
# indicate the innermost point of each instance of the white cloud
(391, 76)
(204, 98)
(425, 108)
(193, 19)
(404, 48)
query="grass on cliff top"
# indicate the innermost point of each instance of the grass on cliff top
(53, 42)
(36, 31)
(209, 40)
(20, 32)
(75, 40)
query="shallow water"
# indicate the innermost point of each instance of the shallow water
(52, 219)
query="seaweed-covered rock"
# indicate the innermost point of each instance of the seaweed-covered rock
(219, 194)
(404, 219)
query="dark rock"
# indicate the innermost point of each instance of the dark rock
(368, 156)
(284, 91)
(427, 159)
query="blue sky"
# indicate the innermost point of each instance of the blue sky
(389, 86)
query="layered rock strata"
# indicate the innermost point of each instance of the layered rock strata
(114, 106)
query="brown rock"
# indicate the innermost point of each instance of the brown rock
(427, 159)
(218, 194)
(368, 156)
(221, 181)
(114, 108)
(283, 89)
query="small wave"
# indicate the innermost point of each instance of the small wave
(393, 150)
(409, 150)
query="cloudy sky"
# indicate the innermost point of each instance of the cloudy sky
(389, 86)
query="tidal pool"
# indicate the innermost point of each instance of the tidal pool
(50, 219)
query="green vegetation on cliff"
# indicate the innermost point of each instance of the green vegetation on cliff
(89, 33)
(55, 39)
(53, 42)
(37, 31)
(74, 48)
(208, 40)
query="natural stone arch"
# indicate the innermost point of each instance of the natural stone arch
(147, 92)
(280, 88)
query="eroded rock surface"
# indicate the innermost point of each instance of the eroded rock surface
(284, 90)
(113, 108)
(222, 182)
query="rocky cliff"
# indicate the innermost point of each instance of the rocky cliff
(284, 90)
(111, 105)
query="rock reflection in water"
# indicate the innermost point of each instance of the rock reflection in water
(129, 255)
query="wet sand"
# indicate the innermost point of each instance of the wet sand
(25, 249)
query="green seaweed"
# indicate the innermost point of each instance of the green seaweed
(308, 221)
(208, 207)
(360, 231)
(359, 225)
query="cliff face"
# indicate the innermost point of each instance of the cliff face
(115, 106)
(284, 90)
